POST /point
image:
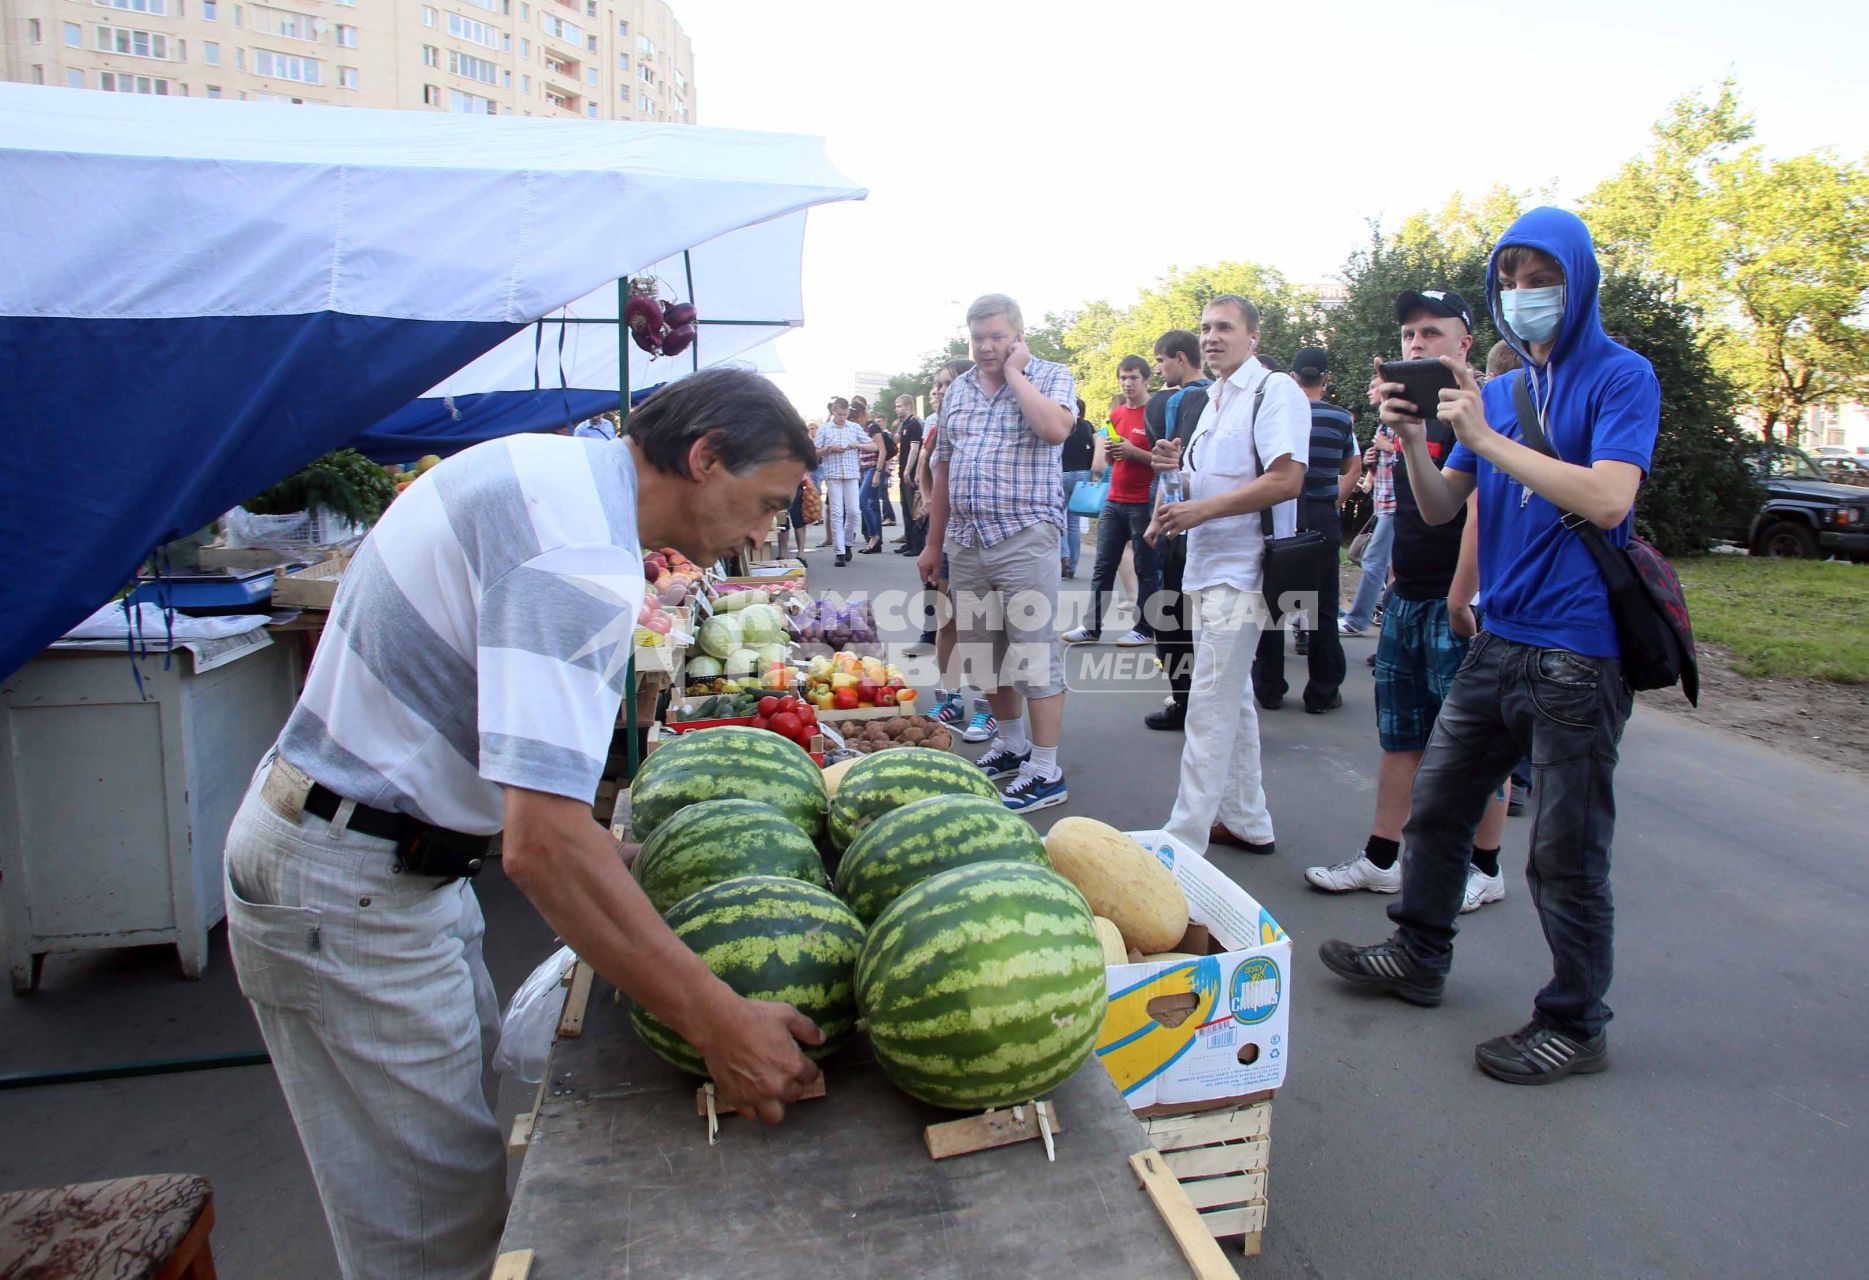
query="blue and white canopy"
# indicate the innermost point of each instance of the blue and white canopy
(198, 297)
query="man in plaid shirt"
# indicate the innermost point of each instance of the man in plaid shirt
(1379, 461)
(996, 510)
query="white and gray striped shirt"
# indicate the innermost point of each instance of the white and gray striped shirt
(481, 636)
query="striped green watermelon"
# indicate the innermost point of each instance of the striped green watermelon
(905, 846)
(720, 840)
(731, 761)
(769, 938)
(983, 986)
(886, 780)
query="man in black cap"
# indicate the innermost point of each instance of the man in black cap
(1425, 632)
(1334, 465)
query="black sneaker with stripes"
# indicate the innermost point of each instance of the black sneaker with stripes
(1386, 967)
(1538, 1053)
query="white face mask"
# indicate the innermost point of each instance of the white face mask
(1533, 314)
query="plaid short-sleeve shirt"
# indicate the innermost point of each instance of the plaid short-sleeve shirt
(1002, 479)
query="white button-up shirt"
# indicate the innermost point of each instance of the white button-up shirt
(1227, 450)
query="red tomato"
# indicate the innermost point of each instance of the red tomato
(760, 722)
(786, 725)
(788, 703)
(844, 699)
(770, 707)
(867, 691)
(807, 716)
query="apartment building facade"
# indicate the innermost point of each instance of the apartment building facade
(588, 59)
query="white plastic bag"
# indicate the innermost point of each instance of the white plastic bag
(531, 1021)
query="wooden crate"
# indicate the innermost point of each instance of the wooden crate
(314, 587)
(1220, 1158)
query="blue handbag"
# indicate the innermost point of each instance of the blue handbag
(1089, 496)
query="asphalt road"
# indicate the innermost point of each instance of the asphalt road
(1726, 1140)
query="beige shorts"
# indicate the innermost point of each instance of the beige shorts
(1005, 600)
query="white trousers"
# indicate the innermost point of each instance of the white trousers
(841, 505)
(1220, 780)
(376, 1006)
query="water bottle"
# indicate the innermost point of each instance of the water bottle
(1173, 490)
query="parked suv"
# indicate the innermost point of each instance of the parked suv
(1804, 514)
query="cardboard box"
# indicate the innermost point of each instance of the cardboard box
(1211, 1030)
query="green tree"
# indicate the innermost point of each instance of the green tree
(1770, 252)
(1100, 334)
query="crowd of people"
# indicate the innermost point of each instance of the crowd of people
(1495, 653)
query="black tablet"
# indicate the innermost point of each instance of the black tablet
(1423, 380)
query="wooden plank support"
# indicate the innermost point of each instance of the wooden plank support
(522, 1125)
(1233, 1189)
(516, 1265)
(571, 1021)
(814, 1090)
(1206, 1162)
(1245, 1220)
(1191, 1233)
(1178, 1132)
(993, 1129)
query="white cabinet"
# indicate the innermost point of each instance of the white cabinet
(114, 806)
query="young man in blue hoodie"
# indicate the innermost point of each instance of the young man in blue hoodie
(1543, 679)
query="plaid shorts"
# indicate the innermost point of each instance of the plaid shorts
(1416, 660)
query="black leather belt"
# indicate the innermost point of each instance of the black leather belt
(421, 849)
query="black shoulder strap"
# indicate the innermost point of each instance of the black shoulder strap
(1252, 425)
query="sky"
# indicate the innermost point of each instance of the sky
(1066, 152)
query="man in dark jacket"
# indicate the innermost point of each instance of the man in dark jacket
(1544, 676)
(1172, 413)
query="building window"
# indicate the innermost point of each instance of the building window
(645, 46)
(287, 66)
(569, 32)
(74, 36)
(643, 103)
(240, 64)
(211, 53)
(491, 6)
(525, 13)
(428, 16)
(590, 43)
(623, 30)
(471, 104)
(590, 109)
(280, 22)
(474, 32)
(347, 77)
(525, 85)
(590, 8)
(32, 31)
(74, 79)
(346, 37)
(506, 42)
(590, 76)
(525, 47)
(237, 21)
(38, 73)
(211, 11)
(117, 82)
(462, 64)
(431, 56)
(561, 101)
(623, 62)
(214, 91)
(157, 7)
(133, 44)
(623, 92)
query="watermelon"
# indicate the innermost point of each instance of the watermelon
(722, 840)
(983, 986)
(731, 761)
(888, 780)
(905, 846)
(769, 938)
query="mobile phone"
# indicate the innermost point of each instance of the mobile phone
(1422, 381)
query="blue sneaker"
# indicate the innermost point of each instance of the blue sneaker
(952, 708)
(1002, 762)
(983, 729)
(1028, 792)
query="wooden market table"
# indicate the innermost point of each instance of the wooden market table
(619, 1180)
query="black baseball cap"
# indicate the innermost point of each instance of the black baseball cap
(1315, 360)
(1437, 302)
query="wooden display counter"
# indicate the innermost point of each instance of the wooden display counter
(619, 1180)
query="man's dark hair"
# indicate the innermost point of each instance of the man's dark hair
(957, 367)
(839, 403)
(1080, 406)
(1270, 362)
(1134, 364)
(750, 420)
(1179, 342)
(858, 402)
(1247, 310)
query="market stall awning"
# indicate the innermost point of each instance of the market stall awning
(197, 297)
(745, 285)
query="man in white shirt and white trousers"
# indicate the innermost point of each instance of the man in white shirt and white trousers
(1246, 455)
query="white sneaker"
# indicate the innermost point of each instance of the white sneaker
(1080, 635)
(1134, 640)
(1358, 873)
(1482, 889)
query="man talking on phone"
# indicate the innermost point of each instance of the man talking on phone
(1544, 677)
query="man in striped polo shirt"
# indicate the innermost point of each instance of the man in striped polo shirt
(1330, 473)
(468, 683)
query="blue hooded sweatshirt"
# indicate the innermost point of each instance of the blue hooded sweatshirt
(1601, 401)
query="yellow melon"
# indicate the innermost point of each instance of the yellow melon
(1122, 881)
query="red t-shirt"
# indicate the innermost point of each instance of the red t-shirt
(1130, 481)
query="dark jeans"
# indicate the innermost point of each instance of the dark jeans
(1174, 640)
(1325, 654)
(1118, 525)
(1565, 712)
(870, 504)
